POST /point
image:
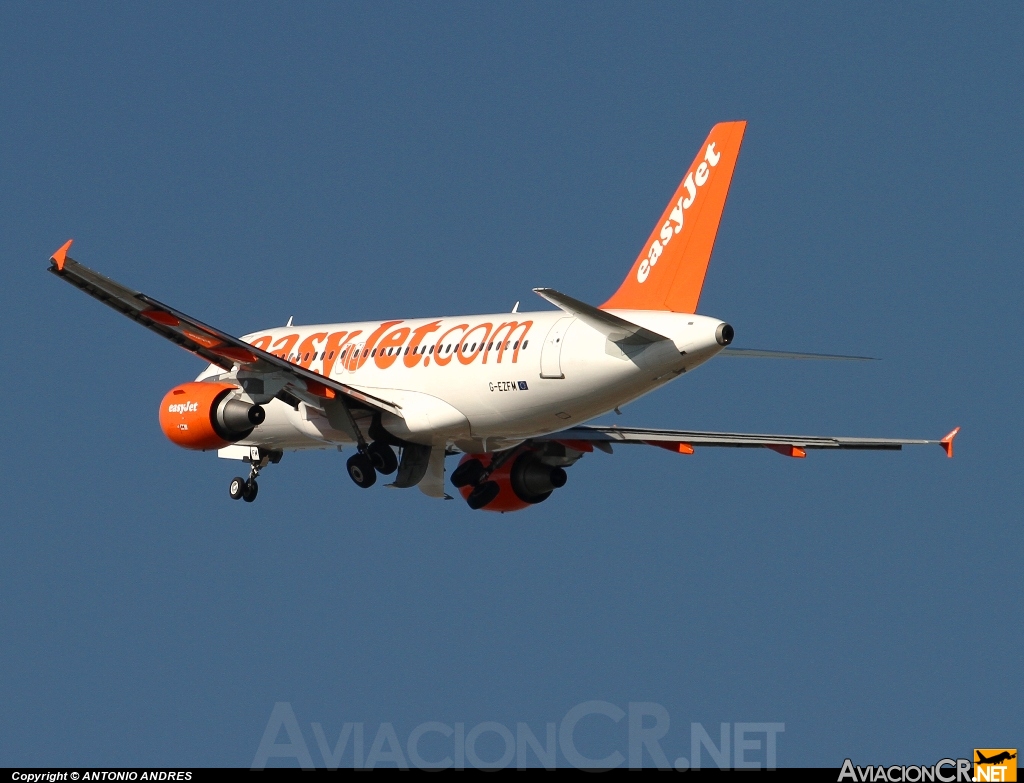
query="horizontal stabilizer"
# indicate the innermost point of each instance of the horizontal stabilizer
(755, 353)
(616, 329)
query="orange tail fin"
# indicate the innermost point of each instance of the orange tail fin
(669, 273)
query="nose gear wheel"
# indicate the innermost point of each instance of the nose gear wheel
(237, 488)
(247, 489)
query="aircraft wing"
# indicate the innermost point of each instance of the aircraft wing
(205, 341)
(684, 441)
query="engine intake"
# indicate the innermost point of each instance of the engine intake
(204, 416)
(516, 484)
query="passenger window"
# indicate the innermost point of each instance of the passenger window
(516, 345)
(431, 350)
(525, 343)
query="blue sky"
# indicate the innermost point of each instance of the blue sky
(341, 162)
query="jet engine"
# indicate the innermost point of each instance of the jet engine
(519, 482)
(204, 416)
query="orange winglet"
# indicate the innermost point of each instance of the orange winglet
(787, 450)
(676, 446)
(61, 255)
(947, 442)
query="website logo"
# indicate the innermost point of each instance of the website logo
(995, 764)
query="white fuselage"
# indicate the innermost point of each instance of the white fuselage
(481, 382)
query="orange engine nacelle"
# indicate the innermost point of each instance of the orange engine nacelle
(204, 416)
(520, 482)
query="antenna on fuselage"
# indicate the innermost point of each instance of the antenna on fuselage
(290, 317)
(516, 308)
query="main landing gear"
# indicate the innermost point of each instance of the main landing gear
(376, 457)
(247, 489)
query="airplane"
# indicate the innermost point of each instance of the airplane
(511, 392)
(996, 759)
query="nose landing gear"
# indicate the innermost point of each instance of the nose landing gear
(241, 489)
(247, 489)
